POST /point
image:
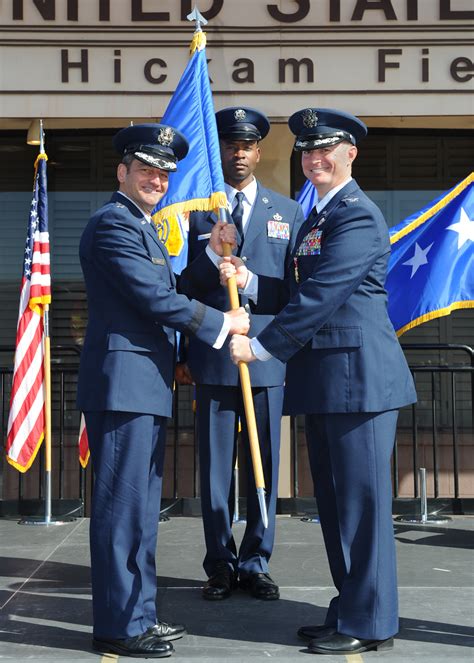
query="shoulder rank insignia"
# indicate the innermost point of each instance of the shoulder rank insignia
(120, 205)
(349, 199)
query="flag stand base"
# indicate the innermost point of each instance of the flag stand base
(41, 520)
(423, 518)
(416, 519)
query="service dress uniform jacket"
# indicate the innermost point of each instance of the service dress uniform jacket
(125, 391)
(269, 238)
(347, 373)
(342, 352)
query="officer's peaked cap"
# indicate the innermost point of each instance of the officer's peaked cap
(323, 127)
(157, 145)
(242, 123)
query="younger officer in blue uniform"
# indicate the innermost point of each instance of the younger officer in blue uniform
(267, 223)
(124, 389)
(348, 375)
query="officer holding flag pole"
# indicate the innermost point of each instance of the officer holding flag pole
(347, 374)
(125, 387)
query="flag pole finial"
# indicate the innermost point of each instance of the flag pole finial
(196, 16)
(41, 137)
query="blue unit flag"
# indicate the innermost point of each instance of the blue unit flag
(198, 184)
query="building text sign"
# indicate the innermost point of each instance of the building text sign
(256, 51)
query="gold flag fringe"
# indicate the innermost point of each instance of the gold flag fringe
(435, 314)
(25, 468)
(41, 155)
(84, 461)
(215, 200)
(198, 42)
(36, 303)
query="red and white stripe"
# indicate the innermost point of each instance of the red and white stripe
(27, 417)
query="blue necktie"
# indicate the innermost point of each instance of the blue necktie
(238, 214)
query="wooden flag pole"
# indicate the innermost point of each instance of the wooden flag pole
(248, 402)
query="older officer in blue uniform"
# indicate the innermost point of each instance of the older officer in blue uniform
(124, 388)
(348, 375)
(266, 223)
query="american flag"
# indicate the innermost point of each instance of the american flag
(26, 422)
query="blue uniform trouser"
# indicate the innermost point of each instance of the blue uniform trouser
(127, 453)
(350, 463)
(218, 412)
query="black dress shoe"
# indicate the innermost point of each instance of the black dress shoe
(261, 586)
(166, 632)
(340, 644)
(313, 632)
(221, 583)
(146, 645)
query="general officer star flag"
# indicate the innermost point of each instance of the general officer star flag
(198, 183)
(307, 197)
(431, 269)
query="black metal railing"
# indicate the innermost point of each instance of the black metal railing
(444, 409)
(442, 420)
(69, 478)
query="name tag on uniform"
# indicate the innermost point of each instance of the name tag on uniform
(205, 236)
(311, 244)
(278, 229)
(158, 261)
